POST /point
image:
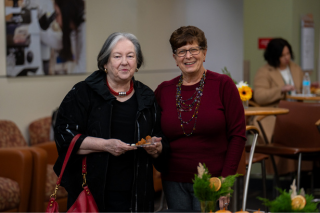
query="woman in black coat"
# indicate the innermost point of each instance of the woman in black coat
(111, 110)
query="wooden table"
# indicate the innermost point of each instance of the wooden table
(304, 98)
(265, 111)
(253, 111)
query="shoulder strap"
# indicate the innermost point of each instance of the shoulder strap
(73, 142)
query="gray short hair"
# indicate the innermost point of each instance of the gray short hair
(109, 44)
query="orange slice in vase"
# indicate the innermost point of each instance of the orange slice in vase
(298, 202)
(216, 182)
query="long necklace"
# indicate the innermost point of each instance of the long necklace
(122, 94)
(183, 106)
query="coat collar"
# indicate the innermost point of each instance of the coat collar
(97, 82)
(277, 77)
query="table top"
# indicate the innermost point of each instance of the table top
(265, 111)
(301, 97)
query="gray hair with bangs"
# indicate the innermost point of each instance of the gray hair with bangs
(109, 44)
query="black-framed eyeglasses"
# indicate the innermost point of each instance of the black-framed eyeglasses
(192, 51)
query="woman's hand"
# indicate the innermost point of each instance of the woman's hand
(287, 88)
(224, 202)
(156, 149)
(113, 146)
(117, 147)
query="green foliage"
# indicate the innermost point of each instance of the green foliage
(283, 203)
(226, 72)
(201, 187)
(203, 191)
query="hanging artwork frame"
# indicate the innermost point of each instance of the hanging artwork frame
(44, 38)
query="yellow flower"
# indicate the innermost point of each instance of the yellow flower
(245, 93)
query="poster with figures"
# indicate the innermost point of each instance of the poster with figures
(45, 37)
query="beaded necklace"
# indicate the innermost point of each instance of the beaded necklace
(182, 105)
(121, 94)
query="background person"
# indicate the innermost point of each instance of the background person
(203, 118)
(279, 76)
(120, 176)
(272, 81)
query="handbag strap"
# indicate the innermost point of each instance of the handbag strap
(84, 167)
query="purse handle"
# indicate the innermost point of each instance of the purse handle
(66, 159)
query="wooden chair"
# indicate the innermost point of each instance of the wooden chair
(14, 157)
(294, 135)
(244, 168)
(259, 158)
(249, 161)
(39, 131)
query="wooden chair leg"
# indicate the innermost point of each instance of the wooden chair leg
(312, 177)
(276, 176)
(264, 182)
(299, 171)
(235, 196)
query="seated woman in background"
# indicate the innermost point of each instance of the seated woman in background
(279, 76)
(272, 81)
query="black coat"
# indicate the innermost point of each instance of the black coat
(87, 109)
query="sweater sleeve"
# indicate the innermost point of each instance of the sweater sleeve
(71, 120)
(264, 92)
(236, 128)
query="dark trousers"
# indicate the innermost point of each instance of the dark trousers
(118, 201)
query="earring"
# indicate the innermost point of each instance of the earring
(137, 70)
(177, 65)
(105, 69)
(204, 60)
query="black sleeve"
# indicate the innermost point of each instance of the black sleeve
(72, 120)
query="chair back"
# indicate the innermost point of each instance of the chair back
(10, 135)
(39, 130)
(296, 129)
(318, 124)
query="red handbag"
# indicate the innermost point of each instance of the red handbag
(85, 201)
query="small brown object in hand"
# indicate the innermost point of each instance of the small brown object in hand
(144, 141)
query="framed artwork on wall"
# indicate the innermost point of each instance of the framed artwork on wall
(45, 37)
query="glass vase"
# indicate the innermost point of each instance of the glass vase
(245, 104)
(208, 205)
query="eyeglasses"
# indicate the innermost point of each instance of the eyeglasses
(192, 51)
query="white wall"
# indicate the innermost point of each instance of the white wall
(25, 99)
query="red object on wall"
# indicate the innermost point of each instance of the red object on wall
(263, 42)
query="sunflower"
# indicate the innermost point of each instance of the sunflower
(245, 93)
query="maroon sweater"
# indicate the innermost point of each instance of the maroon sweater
(219, 136)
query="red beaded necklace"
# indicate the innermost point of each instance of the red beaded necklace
(121, 93)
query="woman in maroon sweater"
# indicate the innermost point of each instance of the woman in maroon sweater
(203, 118)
